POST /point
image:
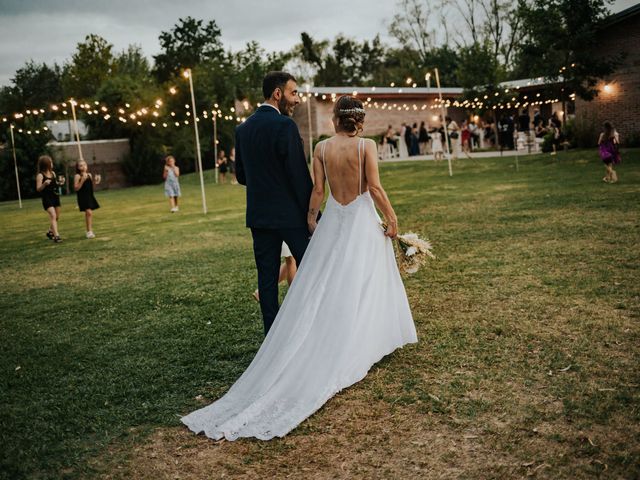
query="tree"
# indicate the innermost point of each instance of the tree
(90, 65)
(33, 85)
(28, 149)
(344, 61)
(134, 64)
(478, 66)
(189, 43)
(411, 27)
(559, 43)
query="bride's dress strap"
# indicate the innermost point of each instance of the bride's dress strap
(324, 165)
(360, 146)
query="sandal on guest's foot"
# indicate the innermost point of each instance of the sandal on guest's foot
(50, 235)
(57, 239)
(605, 180)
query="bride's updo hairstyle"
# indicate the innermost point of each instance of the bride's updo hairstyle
(349, 113)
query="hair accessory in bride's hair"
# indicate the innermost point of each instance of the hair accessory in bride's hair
(347, 111)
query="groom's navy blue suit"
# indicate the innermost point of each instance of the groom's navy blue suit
(270, 161)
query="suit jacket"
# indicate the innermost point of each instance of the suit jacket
(270, 161)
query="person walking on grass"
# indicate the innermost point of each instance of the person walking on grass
(83, 183)
(47, 185)
(288, 269)
(608, 147)
(171, 183)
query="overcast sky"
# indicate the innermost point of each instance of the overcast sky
(48, 30)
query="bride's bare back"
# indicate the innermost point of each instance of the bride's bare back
(345, 171)
(344, 176)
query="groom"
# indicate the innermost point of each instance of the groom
(270, 161)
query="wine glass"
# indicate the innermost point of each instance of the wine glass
(97, 178)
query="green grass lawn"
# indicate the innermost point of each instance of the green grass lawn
(528, 327)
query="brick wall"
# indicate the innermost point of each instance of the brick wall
(621, 104)
(102, 156)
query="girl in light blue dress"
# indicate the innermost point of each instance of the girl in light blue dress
(171, 183)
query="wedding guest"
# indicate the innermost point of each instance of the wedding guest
(83, 183)
(415, 148)
(490, 133)
(524, 121)
(474, 140)
(407, 138)
(465, 138)
(288, 269)
(47, 185)
(390, 137)
(423, 138)
(505, 132)
(453, 132)
(437, 139)
(223, 166)
(403, 147)
(232, 165)
(555, 127)
(608, 147)
(171, 182)
(537, 119)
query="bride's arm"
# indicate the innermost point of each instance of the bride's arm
(317, 194)
(375, 188)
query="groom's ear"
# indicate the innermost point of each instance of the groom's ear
(277, 93)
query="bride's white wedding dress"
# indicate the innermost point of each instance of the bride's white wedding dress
(346, 309)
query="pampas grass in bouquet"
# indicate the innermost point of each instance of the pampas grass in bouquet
(413, 251)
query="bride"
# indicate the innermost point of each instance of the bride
(345, 310)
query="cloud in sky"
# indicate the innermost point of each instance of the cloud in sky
(48, 31)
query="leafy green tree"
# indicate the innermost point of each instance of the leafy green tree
(478, 66)
(134, 64)
(28, 149)
(561, 44)
(189, 43)
(91, 64)
(344, 61)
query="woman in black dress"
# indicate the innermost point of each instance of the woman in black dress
(223, 166)
(83, 185)
(47, 185)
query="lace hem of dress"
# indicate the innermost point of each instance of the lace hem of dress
(265, 418)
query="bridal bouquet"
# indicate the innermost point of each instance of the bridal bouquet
(414, 251)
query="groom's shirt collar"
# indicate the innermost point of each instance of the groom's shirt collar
(272, 106)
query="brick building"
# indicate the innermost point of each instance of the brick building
(102, 156)
(619, 98)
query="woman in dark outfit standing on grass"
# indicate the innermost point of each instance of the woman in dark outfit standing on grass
(47, 186)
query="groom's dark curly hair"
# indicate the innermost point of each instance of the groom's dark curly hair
(273, 80)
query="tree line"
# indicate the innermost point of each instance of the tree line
(475, 44)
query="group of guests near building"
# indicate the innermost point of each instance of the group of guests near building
(511, 131)
(434, 138)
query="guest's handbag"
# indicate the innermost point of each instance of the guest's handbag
(453, 135)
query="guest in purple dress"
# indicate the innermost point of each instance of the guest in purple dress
(608, 147)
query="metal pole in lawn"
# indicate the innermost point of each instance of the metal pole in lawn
(187, 73)
(15, 165)
(307, 88)
(215, 145)
(444, 122)
(75, 127)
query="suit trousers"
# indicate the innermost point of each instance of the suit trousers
(267, 244)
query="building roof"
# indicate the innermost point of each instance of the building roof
(620, 16)
(384, 90)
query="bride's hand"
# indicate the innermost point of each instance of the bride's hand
(392, 229)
